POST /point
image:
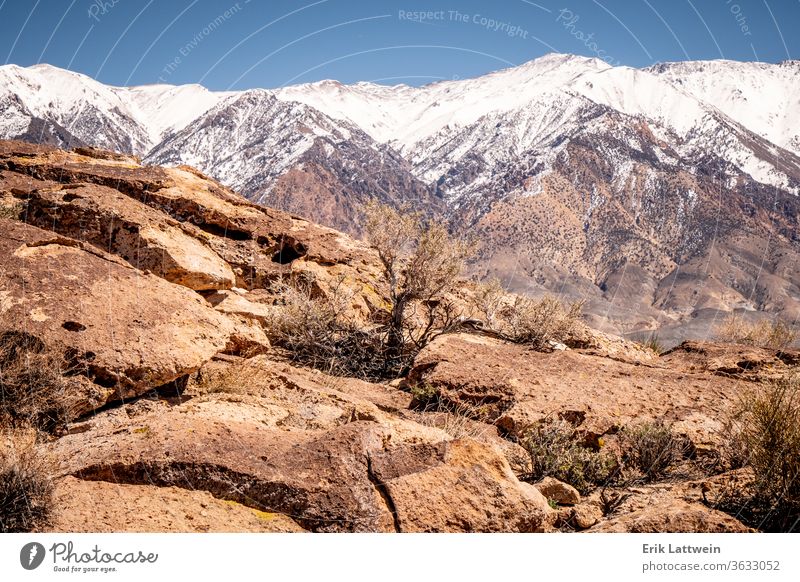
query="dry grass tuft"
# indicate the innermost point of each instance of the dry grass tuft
(768, 334)
(34, 388)
(26, 482)
(649, 449)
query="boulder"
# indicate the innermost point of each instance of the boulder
(305, 446)
(148, 509)
(561, 493)
(456, 486)
(121, 225)
(127, 331)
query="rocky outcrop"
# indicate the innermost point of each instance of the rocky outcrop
(156, 289)
(127, 331)
(323, 456)
(100, 258)
(180, 224)
(516, 387)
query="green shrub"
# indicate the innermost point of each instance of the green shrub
(555, 451)
(649, 449)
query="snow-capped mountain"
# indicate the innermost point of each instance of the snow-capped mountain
(132, 120)
(659, 194)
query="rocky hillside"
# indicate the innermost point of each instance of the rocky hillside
(154, 288)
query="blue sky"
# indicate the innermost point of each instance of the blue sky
(225, 44)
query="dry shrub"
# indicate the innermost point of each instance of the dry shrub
(649, 449)
(320, 332)
(556, 451)
(26, 482)
(771, 334)
(458, 421)
(421, 263)
(768, 422)
(540, 321)
(525, 320)
(34, 388)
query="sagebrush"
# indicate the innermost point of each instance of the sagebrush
(540, 323)
(556, 451)
(26, 482)
(34, 384)
(771, 334)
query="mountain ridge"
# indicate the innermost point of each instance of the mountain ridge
(580, 178)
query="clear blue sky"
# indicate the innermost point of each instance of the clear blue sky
(256, 43)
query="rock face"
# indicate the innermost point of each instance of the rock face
(129, 331)
(323, 456)
(517, 386)
(100, 257)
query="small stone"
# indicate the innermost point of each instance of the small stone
(561, 493)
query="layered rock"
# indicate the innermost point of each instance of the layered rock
(127, 331)
(516, 387)
(322, 456)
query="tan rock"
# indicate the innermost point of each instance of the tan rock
(325, 454)
(517, 387)
(561, 493)
(148, 509)
(457, 486)
(141, 235)
(585, 516)
(129, 331)
(233, 303)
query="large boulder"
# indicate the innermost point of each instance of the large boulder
(126, 330)
(121, 225)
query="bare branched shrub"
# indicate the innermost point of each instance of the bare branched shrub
(319, 332)
(774, 334)
(649, 449)
(421, 264)
(34, 388)
(26, 483)
(525, 320)
(768, 420)
(488, 302)
(538, 322)
(555, 451)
